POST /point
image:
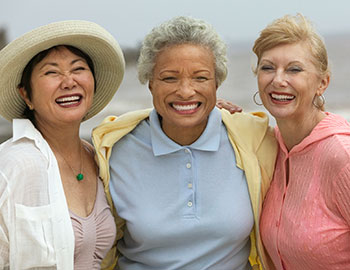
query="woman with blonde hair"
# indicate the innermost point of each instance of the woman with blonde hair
(305, 222)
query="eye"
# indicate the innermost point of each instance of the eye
(294, 69)
(169, 79)
(79, 68)
(201, 78)
(266, 67)
(50, 72)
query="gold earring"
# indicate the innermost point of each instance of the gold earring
(30, 106)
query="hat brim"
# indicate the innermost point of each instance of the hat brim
(89, 37)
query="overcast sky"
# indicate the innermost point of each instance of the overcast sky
(130, 20)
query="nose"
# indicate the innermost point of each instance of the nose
(279, 79)
(186, 89)
(68, 82)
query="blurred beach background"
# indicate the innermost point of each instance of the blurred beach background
(238, 22)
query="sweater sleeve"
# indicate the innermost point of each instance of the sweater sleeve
(342, 193)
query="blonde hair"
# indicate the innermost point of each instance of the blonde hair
(293, 29)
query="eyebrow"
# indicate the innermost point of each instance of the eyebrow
(56, 65)
(176, 71)
(289, 63)
(202, 70)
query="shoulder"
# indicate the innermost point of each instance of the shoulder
(335, 150)
(334, 159)
(134, 142)
(245, 119)
(21, 158)
(111, 123)
(19, 150)
(113, 128)
(252, 129)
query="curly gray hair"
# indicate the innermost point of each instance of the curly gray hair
(181, 30)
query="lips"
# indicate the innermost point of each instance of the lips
(68, 100)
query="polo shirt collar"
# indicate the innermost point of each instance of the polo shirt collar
(208, 141)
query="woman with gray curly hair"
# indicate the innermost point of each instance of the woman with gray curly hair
(186, 179)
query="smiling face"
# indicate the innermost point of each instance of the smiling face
(288, 82)
(62, 88)
(184, 88)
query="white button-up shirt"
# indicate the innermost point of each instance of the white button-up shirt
(35, 226)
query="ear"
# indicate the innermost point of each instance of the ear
(323, 84)
(150, 86)
(24, 95)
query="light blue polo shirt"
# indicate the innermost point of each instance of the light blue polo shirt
(186, 207)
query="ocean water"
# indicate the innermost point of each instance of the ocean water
(239, 86)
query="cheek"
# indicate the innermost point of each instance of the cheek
(212, 96)
(38, 94)
(89, 83)
(261, 80)
(160, 94)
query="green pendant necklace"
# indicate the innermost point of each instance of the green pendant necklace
(79, 176)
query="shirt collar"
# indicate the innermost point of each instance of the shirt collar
(208, 141)
(24, 128)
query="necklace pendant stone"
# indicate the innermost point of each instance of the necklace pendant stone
(80, 177)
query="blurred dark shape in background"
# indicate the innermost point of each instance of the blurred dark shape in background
(3, 40)
(5, 126)
(131, 54)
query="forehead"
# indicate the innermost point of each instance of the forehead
(185, 53)
(300, 52)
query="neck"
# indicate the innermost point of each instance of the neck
(183, 136)
(64, 138)
(295, 131)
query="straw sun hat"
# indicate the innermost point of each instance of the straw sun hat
(89, 37)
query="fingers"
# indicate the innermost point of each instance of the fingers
(224, 104)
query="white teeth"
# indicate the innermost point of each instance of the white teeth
(69, 103)
(282, 97)
(68, 99)
(185, 107)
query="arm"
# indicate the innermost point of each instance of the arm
(341, 193)
(4, 218)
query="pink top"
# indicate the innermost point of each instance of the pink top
(94, 234)
(305, 224)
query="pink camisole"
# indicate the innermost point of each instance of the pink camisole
(94, 234)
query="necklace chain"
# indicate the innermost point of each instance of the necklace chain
(80, 175)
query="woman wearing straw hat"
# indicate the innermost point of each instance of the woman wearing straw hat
(53, 210)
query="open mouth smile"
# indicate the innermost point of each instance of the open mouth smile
(68, 100)
(282, 97)
(185, 107)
